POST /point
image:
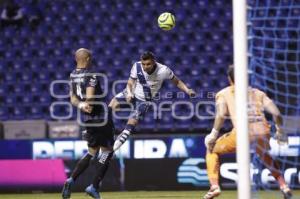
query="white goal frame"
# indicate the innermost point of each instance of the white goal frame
(241, 87)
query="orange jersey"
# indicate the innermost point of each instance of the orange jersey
(257, 101)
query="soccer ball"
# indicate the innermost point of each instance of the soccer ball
(166, 21)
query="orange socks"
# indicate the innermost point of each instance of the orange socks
(213, 166)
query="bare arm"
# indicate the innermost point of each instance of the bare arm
(129, 88)
(220, 116)
(74, 100)
(84, 106)
(90, 94)
(272, 109)
(182, 86)
(221, 112)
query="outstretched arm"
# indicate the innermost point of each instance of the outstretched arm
(182, 86)
(271, 108)
(220, 116)
(221, 112)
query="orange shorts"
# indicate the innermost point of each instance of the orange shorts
(227, 143)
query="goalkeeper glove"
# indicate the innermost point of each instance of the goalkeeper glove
(210, 139)
(280, 136)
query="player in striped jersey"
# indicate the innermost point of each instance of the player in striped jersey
(146, 78)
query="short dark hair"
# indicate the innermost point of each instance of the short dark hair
(147, 55)
(230, 72)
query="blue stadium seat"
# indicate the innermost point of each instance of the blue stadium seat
(19, 113)
(37, 112)
(16, 88)
(27, 99)
(4, 114)
(10, 54)
(8, 31)
(10, 77)
(148, 123)
(166, 122)
(56, 7)
(181, 124)
(45, 99)
(11, 99)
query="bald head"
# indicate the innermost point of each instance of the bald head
(83, 57)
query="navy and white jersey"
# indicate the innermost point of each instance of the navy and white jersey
(154, 80)
(81, 79)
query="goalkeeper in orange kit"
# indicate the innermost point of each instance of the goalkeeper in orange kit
(259, 131)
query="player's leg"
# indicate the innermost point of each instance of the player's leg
(101, 166)
(224, 144)
(114, 104)
(81, 165)
(124, 135)
(105, 140)
(262, 148)
(140, 109)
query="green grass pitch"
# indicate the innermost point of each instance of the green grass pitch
(149, 195)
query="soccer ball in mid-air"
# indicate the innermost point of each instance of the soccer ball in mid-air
(166, 21)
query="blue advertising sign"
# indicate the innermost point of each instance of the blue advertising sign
(145, 147)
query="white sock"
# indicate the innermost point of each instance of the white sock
(121, 139)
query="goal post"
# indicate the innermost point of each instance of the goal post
(241, 87)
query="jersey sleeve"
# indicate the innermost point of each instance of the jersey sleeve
(168, 73)
(91, 81)
(133, 72)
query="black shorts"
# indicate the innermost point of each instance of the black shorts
(98, 135)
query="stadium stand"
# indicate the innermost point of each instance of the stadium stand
(117, 32)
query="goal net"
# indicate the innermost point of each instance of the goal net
(274, 62)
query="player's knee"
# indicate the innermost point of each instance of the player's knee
(114, 104)
(104, 157)
(132, 122)
(93, 150)
(219, 150)
(106, 149)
